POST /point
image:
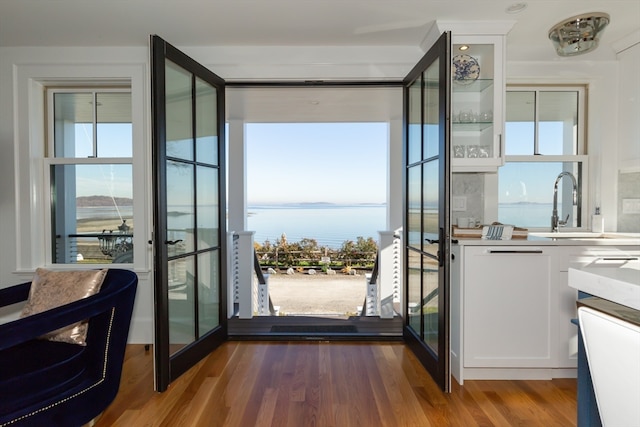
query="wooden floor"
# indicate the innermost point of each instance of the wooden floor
(327, 384)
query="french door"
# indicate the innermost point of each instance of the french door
(426, 208)
(189, 211)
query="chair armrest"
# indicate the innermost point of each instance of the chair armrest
(14, 294)
(31, 327)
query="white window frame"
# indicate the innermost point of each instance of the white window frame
(51, 160)
(33, 225)
(581, 155)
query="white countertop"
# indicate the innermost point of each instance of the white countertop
(614, 280)
(559, 239)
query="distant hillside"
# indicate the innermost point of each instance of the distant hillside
(97, 201)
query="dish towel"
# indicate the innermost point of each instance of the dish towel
(497, 232)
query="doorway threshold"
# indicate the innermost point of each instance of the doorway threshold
(315, 328)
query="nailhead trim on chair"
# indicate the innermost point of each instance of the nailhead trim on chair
(101, 380)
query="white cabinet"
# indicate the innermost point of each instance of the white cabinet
(507, 306)
(477, 94)
(566, 296)
(511, 308)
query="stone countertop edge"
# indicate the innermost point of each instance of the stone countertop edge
(547, 241)
(611, 308)
(616, 280)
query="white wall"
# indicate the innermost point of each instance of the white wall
(24, 73)
(628, 51)
(629, 106)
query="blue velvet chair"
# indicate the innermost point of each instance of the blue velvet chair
(49, 383)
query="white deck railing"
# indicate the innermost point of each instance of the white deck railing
(249, 297)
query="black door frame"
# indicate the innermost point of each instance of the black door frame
(169, 367)
(438, 365)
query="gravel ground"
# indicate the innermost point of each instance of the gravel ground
(317, 294)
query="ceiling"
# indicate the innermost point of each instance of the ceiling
(293, 22)
(300, 23)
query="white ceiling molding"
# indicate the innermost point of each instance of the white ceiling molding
(497, 28)
(626, 42)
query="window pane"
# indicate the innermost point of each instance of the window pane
(73, 124)
(180, 208)
(414, 196)
(414, 143)
(182, 317)
(520, 123)
(414, 296)
(430, 200)
(207, 207)
(208, 291)
(558, 123)
(429, 303)
(114, 130)
(526, 193)
(206, 123)
(179, 109)
(431, 110)
(92, 219)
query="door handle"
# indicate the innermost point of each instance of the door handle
(172, 242)
(440, 242)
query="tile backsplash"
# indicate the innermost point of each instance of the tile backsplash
(628, 188)
(471, 187)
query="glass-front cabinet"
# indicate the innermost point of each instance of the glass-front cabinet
(477, 102)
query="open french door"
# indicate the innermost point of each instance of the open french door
(189, 211)
(426, 146)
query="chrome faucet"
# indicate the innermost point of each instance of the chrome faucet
(555, 221)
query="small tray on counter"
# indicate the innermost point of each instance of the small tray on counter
(483, 231)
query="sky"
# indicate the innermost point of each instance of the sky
(340, 163)
(114, 140)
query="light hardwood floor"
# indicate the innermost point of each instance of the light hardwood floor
(322, 384)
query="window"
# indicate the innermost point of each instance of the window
(544, 138)
(89, 163)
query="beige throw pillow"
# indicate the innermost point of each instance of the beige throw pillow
(51, 289)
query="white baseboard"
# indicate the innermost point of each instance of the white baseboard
(518, 373)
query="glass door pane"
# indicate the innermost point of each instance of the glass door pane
(414, 206)
(414, 291)
(414, 135)
(430, 302)
(181, 310)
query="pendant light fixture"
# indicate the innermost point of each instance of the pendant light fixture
(578, 34)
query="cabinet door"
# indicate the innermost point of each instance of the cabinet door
(566, 296)
(507, 302)
(477, 98)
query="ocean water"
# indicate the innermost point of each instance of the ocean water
(104, 212)
(330, 225)
(531, 215)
